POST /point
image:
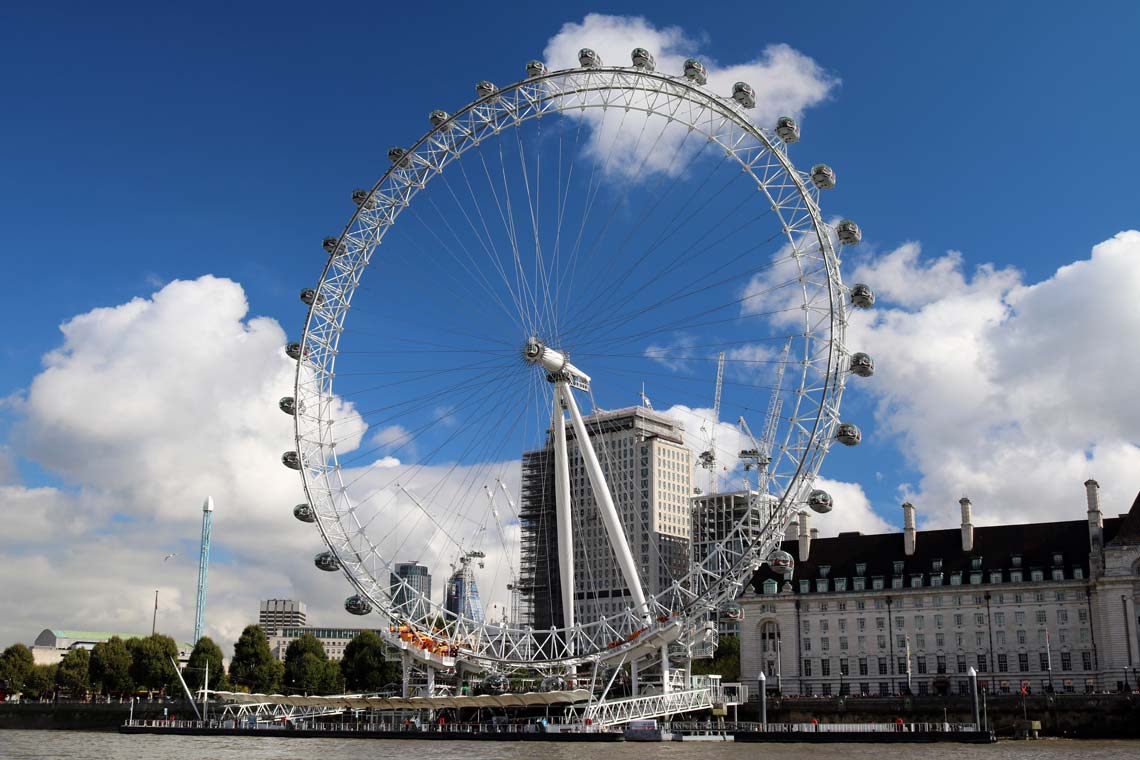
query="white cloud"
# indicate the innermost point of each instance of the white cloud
(786, 82)
(852, 511)
(1009, 392)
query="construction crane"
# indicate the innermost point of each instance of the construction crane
(707, 459)
(513, 580)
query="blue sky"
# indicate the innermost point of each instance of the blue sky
(141, 145)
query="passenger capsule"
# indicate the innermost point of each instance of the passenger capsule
(291, 460)
(288, 405)
(552, 683)
(823, 176)
(304, 513)
(820, 501)
(743, 94)
(862, 365)
(362, 197)
(398, 156)
(326, 561)
(732, 611)
(535, 69)
(862, 296)
(643, 59)
(438, 117)
(848, 434)
(849, 232)
(293, 350)
(588, 59)
(310, 296)
(787, 130)
(332, 246)
(485, 88)
(357, 605)
(781, 562)
(695, 70)
(496, 683)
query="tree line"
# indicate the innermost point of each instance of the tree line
(119, 666)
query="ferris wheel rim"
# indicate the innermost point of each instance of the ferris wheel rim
(827, 414)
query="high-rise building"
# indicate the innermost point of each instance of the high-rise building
(715, 518)
(462, 597)
(649, 472)
(410, 586)
(279, 613)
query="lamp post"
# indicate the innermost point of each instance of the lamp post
(763, 700)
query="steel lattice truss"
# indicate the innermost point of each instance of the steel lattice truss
(810, 423)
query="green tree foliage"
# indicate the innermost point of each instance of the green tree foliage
(16, 664)
(307, 666)
(253, 665)
(40, 682)
(110, 667)
(364, 667)
(73, 674)
(726, 662)
(206, 651)
(151, 666)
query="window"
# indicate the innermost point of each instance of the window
(882, 666)
(1036, 575)
(919, 621)
(807, 668)
(897, 581)
(936, 579)
(1019, 617)
(897, 565)
(1038, 597)
(825, 667)
(843, 626)
(1078, 573)
(900, 622)
(878, 604)
(825, 644)
(807, 689)
(1084, 635)
(918, 602)
(957, 619)
(877, 583)
(916, 580)
(1062, 617)
(841, 585)
(1015, 576)
(979, 639)
(1023, 662)
(823, 626)
(1058, 559)
(807, 626)
(937, 601)
(938, 621)
(920, 641)
(860, 568)
(956, 579)
(1083, 616)
(1003, 662)
(858, 584)
(961, 663)
(1057, 573)
(841, 605)
(979, 618)
(999, 636)
(901, 664)
(941, 663)
(825, 690)
(939, 641)
(1015, 560)
(936, 565)
(880, 623)
(807, 645)
(882, 641)
(979, 600)
(983, 664)
(805, 586)
(884, 688)
(1040, 617)
(843, 642)
(975, 578)
(1042, 661)
(862, 643)
(995, 576)
(821, 585)
(1086, 661)
(900, 641)
(999, 618)
(861, 624)
(824, 571)
(860, 605)
(863, 666)
(920, 662)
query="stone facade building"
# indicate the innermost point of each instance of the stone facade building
(1037, 607)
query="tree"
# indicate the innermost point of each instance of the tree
(40, 682)
(364, 667)
(726, 662)
(151, 666)
(205, 652)
(306, 665)
(110, 667)
(16, 664)
(253, 665)
(73, 674)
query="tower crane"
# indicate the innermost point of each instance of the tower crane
(707, 458)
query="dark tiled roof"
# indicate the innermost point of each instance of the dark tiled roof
(1129, 530)
(1035, 542)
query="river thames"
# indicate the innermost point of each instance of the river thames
(80, 745)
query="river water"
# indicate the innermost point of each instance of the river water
(81, 745)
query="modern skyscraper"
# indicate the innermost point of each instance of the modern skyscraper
(410, 586)
(649, 471)
(279, 613)
(462, 596)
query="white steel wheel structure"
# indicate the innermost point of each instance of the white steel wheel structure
(549, 252)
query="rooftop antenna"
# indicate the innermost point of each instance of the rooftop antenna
(203, 567)
(644, 398)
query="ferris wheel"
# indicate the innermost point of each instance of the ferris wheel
(467, 389)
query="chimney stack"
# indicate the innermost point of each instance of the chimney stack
(814, 533)
(909, 535)
(967, 524)
(1096, 526)
(805, 535)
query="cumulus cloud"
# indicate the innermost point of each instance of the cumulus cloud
(1010, 392)
(786, 82)
(143, 410)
